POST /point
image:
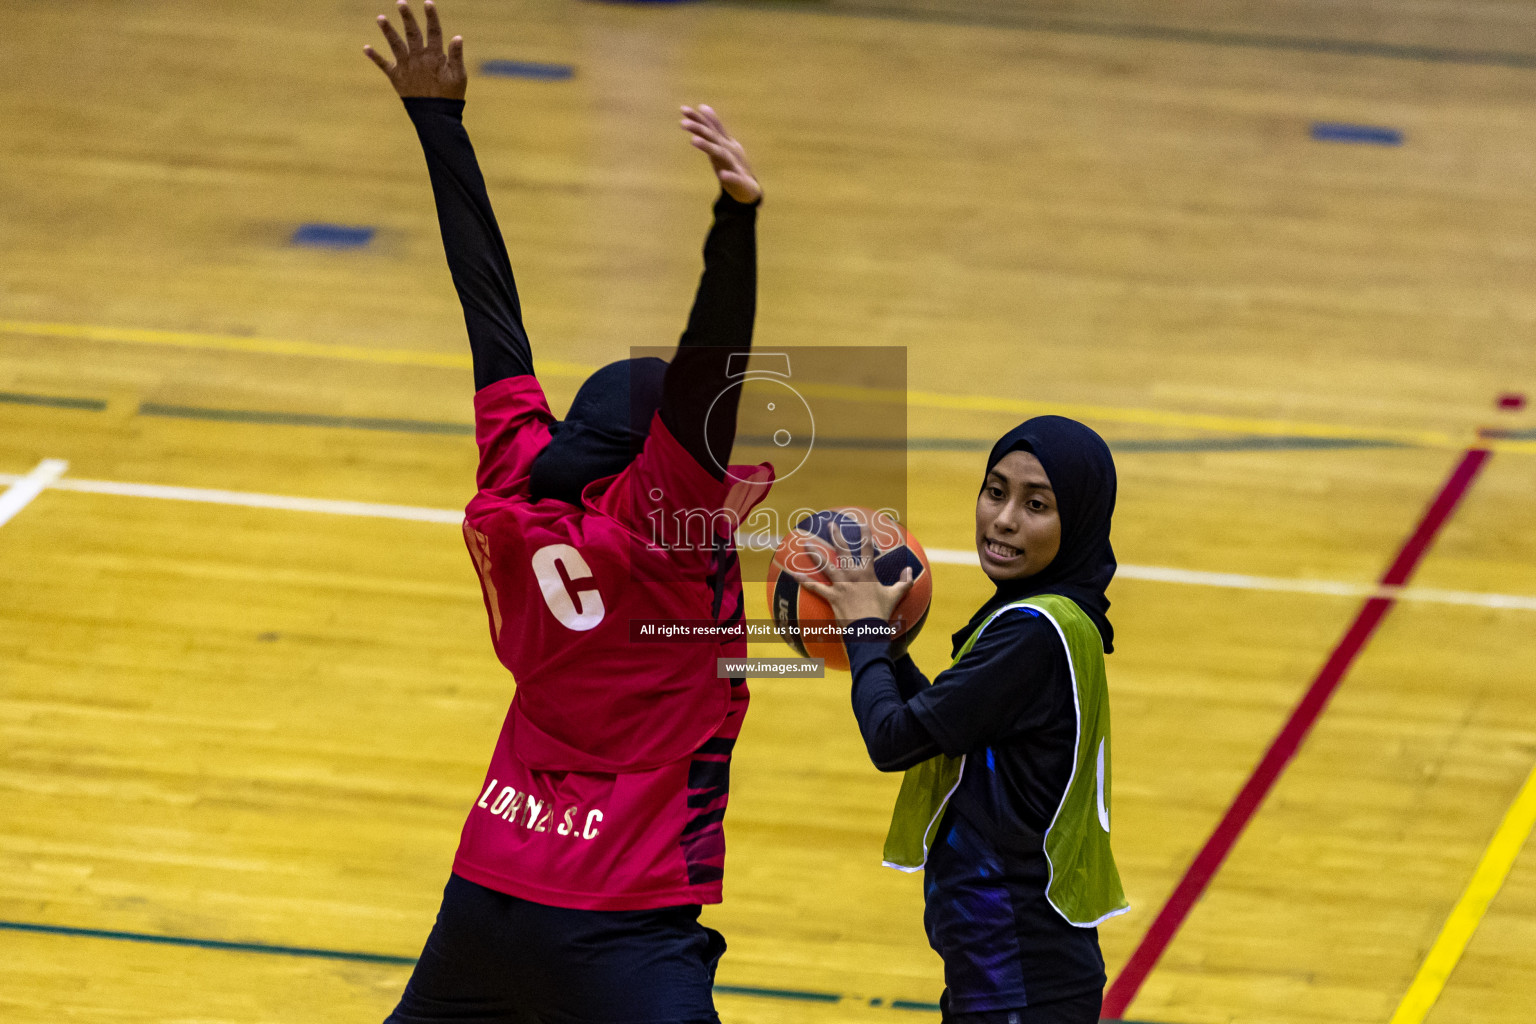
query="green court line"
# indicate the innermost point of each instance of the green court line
(1028, 22)
(1252, 444)
(338, 954)
(925, 444)
(797, 995)
(1497, 434)
(782, 993)
(304, 419)
(54, 401)
(1179, 444)
(1232, 426)
(1262, 442)
(218, 944)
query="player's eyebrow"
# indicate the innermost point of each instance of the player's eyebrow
(1040, 484)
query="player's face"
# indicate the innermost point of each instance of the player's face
(1018, 529)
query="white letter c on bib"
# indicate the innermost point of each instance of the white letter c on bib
(586, 610)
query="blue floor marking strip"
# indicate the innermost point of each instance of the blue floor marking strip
(1158, 33)
(231, 947)
(1248, 444)
(298, 419)
(53, 401)
(527, 69)
(332, 236)
(1375, 135)
(337, 954)
(408, 961)
(780, 993)
(1122, 446)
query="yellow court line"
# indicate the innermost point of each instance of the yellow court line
(1189, 421)
(921, 399)
(266, 346)
(1489, 877)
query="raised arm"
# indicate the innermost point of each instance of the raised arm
(723, 310)
(432, 85)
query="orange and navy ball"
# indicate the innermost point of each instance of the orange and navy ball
(797, 613)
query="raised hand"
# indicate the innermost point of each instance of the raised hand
(421, 68)
(726, 156)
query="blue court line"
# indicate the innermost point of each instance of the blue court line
(53, 401)
(408, 961)
(527, 69)
(913, 444)
(783, 993)
(231, 947)
(1375, 135)
(1157, 33)
(1255, 443)
(332, 236)
(1174, 444)
(1497, 434)
(299, 419)
(924, 444)
(356, 957)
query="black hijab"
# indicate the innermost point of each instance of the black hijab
(605, 429)
(1082, 473)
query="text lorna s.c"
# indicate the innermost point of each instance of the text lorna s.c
(537, 815)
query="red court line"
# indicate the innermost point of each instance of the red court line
(1307, 711)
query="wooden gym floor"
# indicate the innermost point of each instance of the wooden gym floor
(240, 733)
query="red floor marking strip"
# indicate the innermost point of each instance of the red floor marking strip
(1285, 745)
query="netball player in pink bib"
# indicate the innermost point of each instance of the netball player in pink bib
(596, 835)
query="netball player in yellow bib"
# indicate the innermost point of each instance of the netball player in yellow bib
(1006, 802)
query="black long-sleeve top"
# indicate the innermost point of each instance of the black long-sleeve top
(477, 257)
(1009, 706)
(1012, 693)
(719, 325)
(882, 686)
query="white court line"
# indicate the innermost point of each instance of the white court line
(1238, 581)
(23, 489)
(941, 556)
(250, 499)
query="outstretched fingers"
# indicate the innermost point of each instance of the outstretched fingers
(696, 121)
(713, 119)
(434, 28)
(396, 44)
(412, 30)
(420, 68)
(714, 149)
(373, 55)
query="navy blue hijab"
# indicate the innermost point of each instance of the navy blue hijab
(604, 430)
(1082, 473)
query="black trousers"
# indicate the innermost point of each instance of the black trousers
(1083, 1009)
(495, 959)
